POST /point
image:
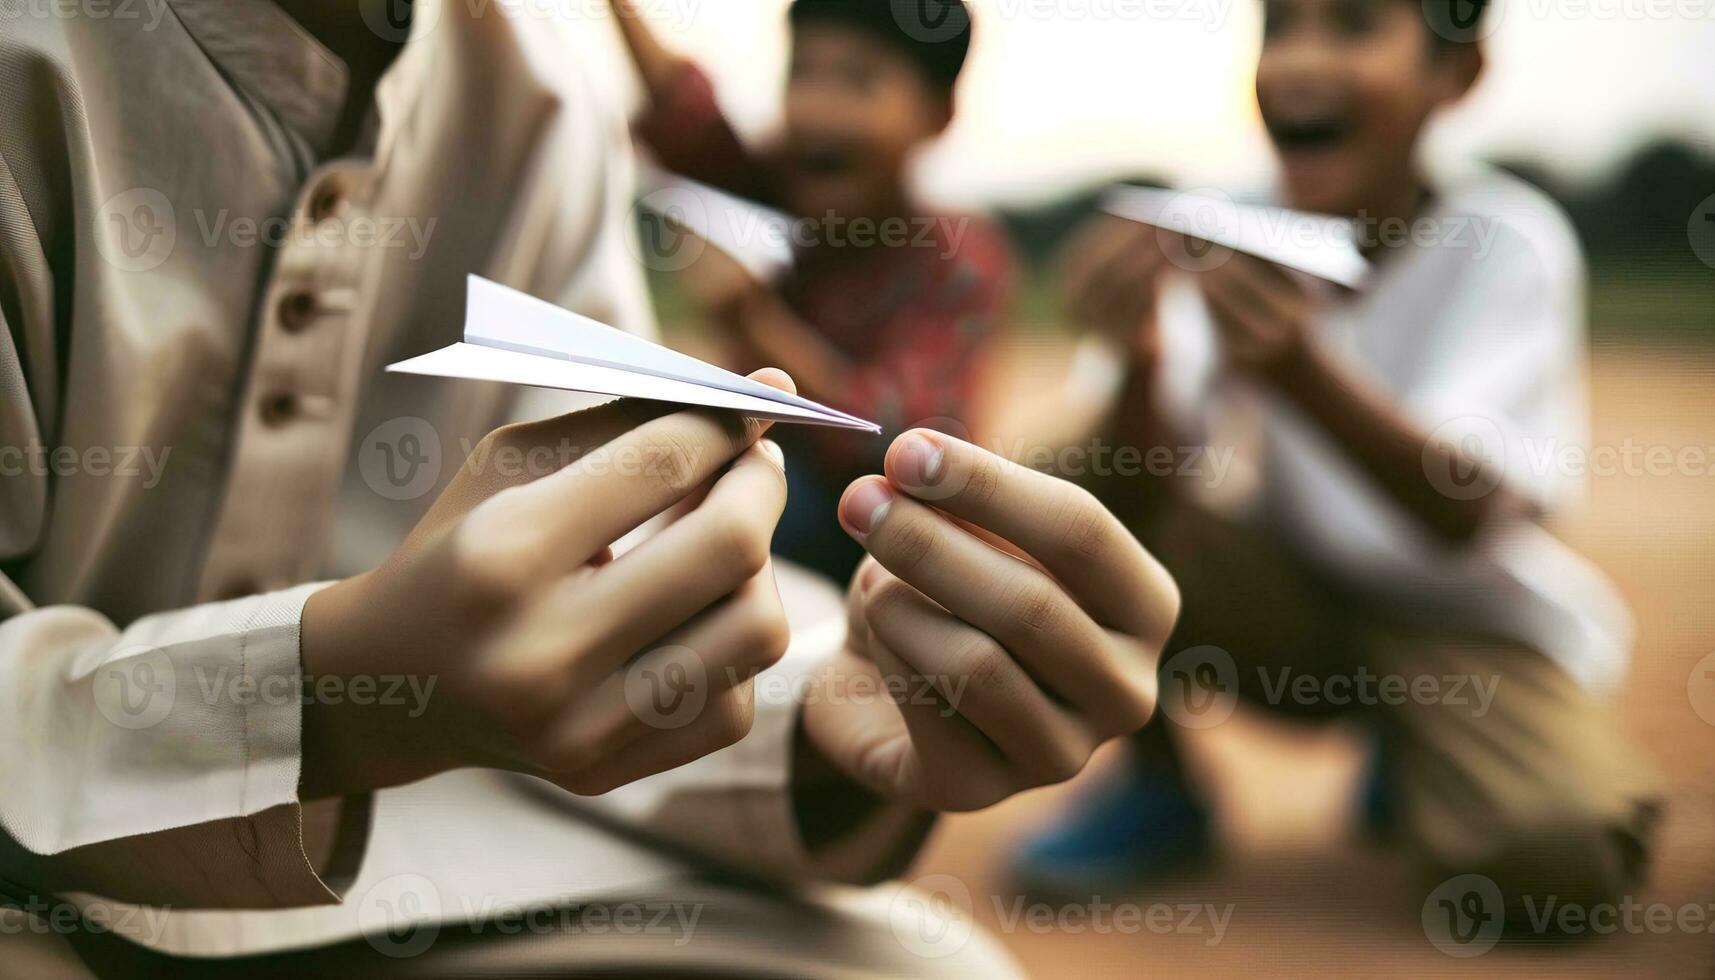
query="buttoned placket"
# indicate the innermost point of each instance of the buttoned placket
(299, 399)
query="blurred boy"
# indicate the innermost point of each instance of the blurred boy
(1393, 543)
(891, 329)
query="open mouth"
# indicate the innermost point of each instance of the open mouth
(1309, 134)
(824, 161)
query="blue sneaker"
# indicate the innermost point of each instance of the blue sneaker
(1377, 809)
(1134, 828)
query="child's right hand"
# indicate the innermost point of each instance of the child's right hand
(1110, 279)
(506, 595)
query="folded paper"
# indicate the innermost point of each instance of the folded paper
(516, 338)
(756, 237)
(1317, 245)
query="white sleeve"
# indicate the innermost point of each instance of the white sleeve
(158, 764)
(1503, 367)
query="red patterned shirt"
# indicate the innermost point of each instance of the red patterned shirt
(911, 319)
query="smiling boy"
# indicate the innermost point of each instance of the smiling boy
(1397, 525)
(893, 329)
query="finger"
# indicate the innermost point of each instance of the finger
(1017, 604)
(1085, 259)
(705, 555)
(857, 630)
(580, 629)
(634, 476)
(978, 679)
(951, 765)
(1127, 290)
(727, 645)
(1057, 523)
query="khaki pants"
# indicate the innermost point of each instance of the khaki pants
(1533, 785)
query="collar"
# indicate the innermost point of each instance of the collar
(273, 59)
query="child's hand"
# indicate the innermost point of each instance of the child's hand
(1110, 280)
(1010, 666)
(1262, 313)
(717, 284)
(507, 596)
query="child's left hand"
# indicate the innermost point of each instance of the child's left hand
(1004, 669)
(1262, 313)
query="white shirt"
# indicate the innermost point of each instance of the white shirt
(196, 301)
(1478, 331)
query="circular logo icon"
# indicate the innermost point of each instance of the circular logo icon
(1701, 231)
(135, 230)
(1199, 687)
(137, 688)
(665, 218)
(1190, 224)
(667, 687)
(392, 20)
(1464, 915)
(931, 21)
(933, 917)
(1477, 467)
(400, 915)
(1463, 21)
(400, 459)
(1700, 688)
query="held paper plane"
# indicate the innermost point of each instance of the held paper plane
(516, 338)
(1316, 245)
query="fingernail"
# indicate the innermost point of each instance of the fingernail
(866, 507)
(920, 460)
(772, 448)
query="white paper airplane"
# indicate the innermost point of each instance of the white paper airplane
(516, 338)
(756, 237)
(1317, 245)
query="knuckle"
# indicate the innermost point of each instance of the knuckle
(764, 633)
(910, 544)
(742, 542)
(573, 760)
(985, 663)
(985, 477)
(493, 561)
(1082, 526)
(1057, 764)
(1034, 606)
(669, 461)
(886, 602)
(732, 722)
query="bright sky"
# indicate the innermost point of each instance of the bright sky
(1064, 92)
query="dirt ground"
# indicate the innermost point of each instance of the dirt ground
(1307, 900)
